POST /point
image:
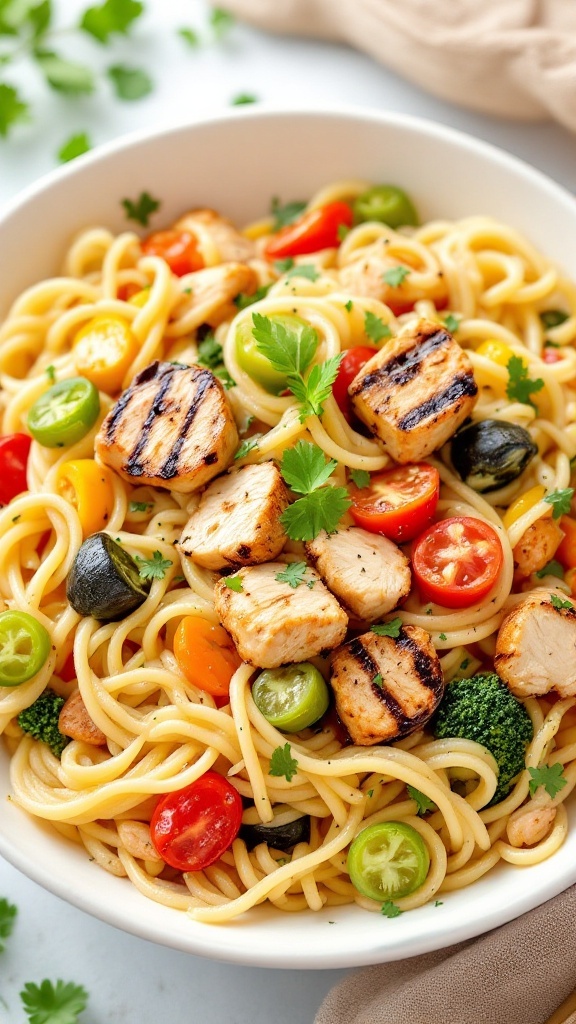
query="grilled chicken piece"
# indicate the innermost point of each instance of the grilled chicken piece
(272, 623)
(172, 428)
(386, 687)
(368, 574)
(213, 292)
(238, 519)
(212, 230)
(415, 392)
(365, 276)
(537, 546)
(75, 722)
(536, 646)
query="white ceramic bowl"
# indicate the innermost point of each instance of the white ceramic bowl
(235, 164)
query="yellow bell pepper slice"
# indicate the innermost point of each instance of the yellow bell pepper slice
(496, 350)
(104, 350)
(140, 298)
(522, 504)
(89, 488)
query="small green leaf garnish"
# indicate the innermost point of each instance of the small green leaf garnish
(313, 391)
(349, 305)
(396, 276)
(391, 628)
(282, 763)
(13, 109)
(49, 1003)
(320, 510)
(558, 603)
(342, 231)
(242, 99)
(234, 583)
(75, 146)
(221, 22)
(294, 574)
(452, 323)
(560, 501)
(307, 270)
(283, 266)
(289, 351)
(130, 83)
(442, 636)
(552, 568)
(439, 903)
(305, 468)
(286, 213)
(378, 681)
(112, 16)
(246, 447)
(520, 386)
(65, 75)
(51, 373)
(8, 914)
(360, 478)
(141, 209)
(423, 802)
(553, 318)
(190, 36)
(390, 909)
(154, 568)
(140, 506)
(243, 300)
(551, 777)
(209, 352)
(375, 328)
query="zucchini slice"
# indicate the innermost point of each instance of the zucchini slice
(491, 453)
(104, 580)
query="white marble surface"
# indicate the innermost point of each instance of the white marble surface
(130, 980)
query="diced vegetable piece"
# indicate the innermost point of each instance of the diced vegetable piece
(104, 349)
(287, 828)
(178, 248)
(193, 827)
(388, 860)
(14, 452)
(206, 655)
(386, 203)
(64, 413)
(315, 229)
(89, 488)
(104, 580)
(24, 647)
(291, 698)
(491, 453)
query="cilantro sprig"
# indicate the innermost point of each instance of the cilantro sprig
(552, 568)
(520, 386)
(423, 803)
(396, 276)
(375, 328)
(282, 764)
(154, 568)
(360, 478)
(391, 628)
(549, 776)
(285, 213)
(210, 356)
(306, 471)
(294, 574)
(560, 501)
(559, 603)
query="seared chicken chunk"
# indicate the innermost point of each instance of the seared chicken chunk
(536, 646)
(216, 232)
(238, 519)
(365, 276)
(75, 722)
(386, 687)
(366, 572)
(213, 291)
(172, 428)
(415, 392)
(272, 623)
(537, 546)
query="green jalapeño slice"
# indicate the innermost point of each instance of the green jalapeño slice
(291, 698)
(65, 413)
(388, 860)
(24, 647)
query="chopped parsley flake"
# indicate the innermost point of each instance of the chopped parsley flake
(154, 568)
(551, 778)
(396, 276)
(391, 628)
(141, 209)
(282, 763)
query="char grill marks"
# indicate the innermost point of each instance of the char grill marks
(386, 687)
(173, 428)
(416, 391)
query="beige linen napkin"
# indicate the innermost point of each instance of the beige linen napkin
(515, 58)
(518, 974)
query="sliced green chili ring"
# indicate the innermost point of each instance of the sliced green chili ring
(291, 698)
(64, 413)
(24, 647)
(388, 860)
(385, 203)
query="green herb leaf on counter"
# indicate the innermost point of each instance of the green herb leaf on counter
(551, 778)
(423, 802)
(154, 568)
(293, 574)
(552, 568)
(104, 20)
(75, 146)
(390, 909)
(234, 583)
(360, 477)
(286, 213)
(242, 99)
(520, 387)
(282, 763)
(189, 36)
(130, 83)
(8, 914)
(391, 628)
(13, 108)
(65, 75)
(375, 328)
(396, 276)
(50, 1003)
(560, 501)
(141, 209)
(221, 22)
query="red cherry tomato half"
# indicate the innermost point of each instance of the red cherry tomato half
(399, 502)
(351, 363)
(551, 355)
(178, 248)
(457, 561)
(14, 452)
(314, 230)
(193, 827)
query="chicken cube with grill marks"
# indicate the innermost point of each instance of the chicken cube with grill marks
(536, 646)
(386, 687)
(172, 428)
(273, 623)
(238, 519)
(217, 236)
(416, 391)
(366, 572)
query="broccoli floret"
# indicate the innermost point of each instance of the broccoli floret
(483, 709)
(41, 721)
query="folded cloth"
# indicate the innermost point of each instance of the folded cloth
(515, 58)
(518, 974)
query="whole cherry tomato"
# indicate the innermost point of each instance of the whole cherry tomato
(14, 452)
(351, 363)
(399, 502)
(457, 561)
(192, 827)
(178, 248)
(316, 229)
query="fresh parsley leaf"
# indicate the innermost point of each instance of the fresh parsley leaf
(65, 75)
(553, 318)
(209, 352)
(520, 386)
(246, 447)
(439, 903)
(464, 664)
(234, 583)
(50, 1003)
(375, 328)
(305, 468)
(360, 477)
(396, 276)
(12, 108)
(390, 909)
(242, 99)
(552, 568)
(141, 209)
(75, 146)
(370, 793)
(189, 36)
(342, 231)
(320, 510)
(558, 603)
(293, 574)
(307, 270)
(349, 305)
(285, 214)
(221, 22)
(129, 83)
(391, 628)
(140, 506)
(153, 568)
(378, 681)
(222, 373)
(39, 17)
(282, 763)
(112, 16)
(560, 501)
(243, 300)
(283, 266)
(423, 802)
(550, 777)
(442, 636)
(289, 351)
(315, 389)
(51, 373)
(8, 914)
(452, 323)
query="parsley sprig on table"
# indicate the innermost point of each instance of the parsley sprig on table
(306, 471)
(50, 1003)
(8, 914)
